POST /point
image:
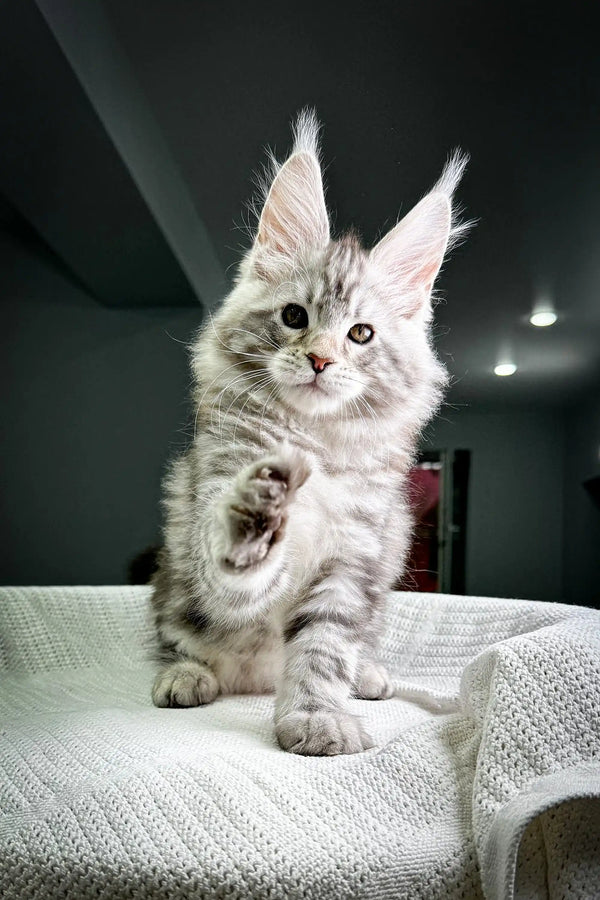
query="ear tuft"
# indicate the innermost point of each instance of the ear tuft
(306, 130)
(448, 182)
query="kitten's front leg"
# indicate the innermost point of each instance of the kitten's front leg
(323, 641)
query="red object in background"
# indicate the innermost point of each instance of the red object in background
(422, 565)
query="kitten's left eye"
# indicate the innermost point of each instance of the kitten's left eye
(361, 334)
(294, 316)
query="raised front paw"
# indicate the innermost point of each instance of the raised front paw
(256, 510)
(322, 733)
(185, 683)
(373, 683)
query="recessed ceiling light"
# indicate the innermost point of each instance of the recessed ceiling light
(505, 369)
(543, 318)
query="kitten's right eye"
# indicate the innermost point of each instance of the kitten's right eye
(294, 316)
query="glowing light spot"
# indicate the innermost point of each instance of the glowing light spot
(543, 318)
(504, 369)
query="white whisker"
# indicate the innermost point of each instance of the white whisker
(264, 339)
(246, 378)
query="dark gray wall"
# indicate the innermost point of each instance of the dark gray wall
(581, 515)
(94, 400)
(515, 509)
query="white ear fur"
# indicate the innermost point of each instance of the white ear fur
(410, 255)
(294, 217)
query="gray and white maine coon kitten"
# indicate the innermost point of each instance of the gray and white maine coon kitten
(287, 519)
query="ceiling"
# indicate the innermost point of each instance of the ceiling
(181, 98)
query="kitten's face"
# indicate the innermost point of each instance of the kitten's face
(335, 343)
(326, 338)
(320, 367)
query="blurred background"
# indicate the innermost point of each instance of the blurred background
(129, 135)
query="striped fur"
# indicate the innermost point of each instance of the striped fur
(286, 519)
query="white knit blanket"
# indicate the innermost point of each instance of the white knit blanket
(485, 780)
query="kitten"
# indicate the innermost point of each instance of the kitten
(286, 519)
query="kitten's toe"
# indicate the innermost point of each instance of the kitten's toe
(374, 683)
(291, 466)
(282, 473)
(185, 683)
(322, 733)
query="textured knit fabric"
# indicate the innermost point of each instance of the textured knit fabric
(485, 781)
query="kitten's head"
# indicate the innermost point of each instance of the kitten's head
(340, 328)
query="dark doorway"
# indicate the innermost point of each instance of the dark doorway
(438, 496)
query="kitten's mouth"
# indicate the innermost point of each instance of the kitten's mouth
(313, 386)
(312, 397)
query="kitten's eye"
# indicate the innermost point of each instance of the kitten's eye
(361, 334)
(294, 316)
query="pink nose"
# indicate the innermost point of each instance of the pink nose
(318, 362)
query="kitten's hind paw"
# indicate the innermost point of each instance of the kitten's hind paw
(321, 733)
(256, 509)
(185, 683)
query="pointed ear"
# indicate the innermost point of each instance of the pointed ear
(410, 255)
(294, 217)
